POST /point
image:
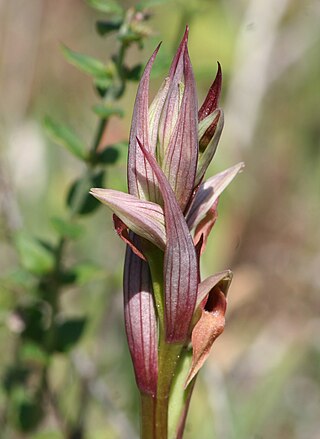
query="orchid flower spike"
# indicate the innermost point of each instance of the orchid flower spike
(170, 212)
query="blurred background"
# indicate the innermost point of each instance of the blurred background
(263, 377)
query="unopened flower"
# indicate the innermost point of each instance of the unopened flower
(169, 208)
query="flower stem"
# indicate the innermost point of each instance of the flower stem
(168, 358)
(148, 407)
(168, 354)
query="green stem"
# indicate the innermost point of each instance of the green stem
(148, 408)
(168, 358)
(99, 133)
(168, 354)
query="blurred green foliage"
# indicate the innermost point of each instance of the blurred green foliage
(65, 370)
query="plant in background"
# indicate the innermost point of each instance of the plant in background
(41, 327)
(172, 317)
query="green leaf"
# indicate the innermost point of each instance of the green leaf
(105, 111)
(149, 4)
(88, 272)
(32, 353)
(15, 376)
(68, 333)
(36, 318)
(134, 73)
(107, 6)
(86, 63)
(49, 434)
(17, 280)
(34, 256)
(130, 37)
(108, 156)
(66, 228)
(105, 27)
(79, 200)
(29, 414)
(102, 85)
(62, 135)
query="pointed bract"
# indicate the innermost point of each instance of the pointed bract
(141, 181)
(206, 156)
(179, 52)
(211, 101)
(180, 264)
(170, 112)
(181, 156)
(140, 321)
(208, 193)
(142, 217)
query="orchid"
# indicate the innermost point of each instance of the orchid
(171, 317)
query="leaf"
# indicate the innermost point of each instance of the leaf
(134, 74)
(130, 36)
(146, 4)
(62, 135)
(50, 434)
(36, 317)
(32, 353)
(19, 277)
(105, 27)
(67, 333)
(106, 6)
(79, 200)
(105, 111)
(66, 228)
(86, 63)
(15, 376)
(109, 155)
(142, 217)
(87, 272)
(29, 414)
(102, 85)
(34, 256)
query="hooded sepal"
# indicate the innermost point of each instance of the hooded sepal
(141, 180)
(142, 217)
(180, 263)
(140, 321)
(209, 318)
